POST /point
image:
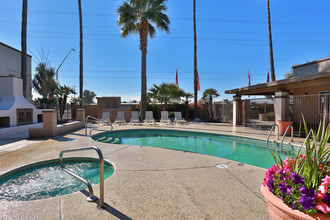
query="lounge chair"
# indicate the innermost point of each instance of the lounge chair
(105, 118)
(134, 117)
(120, 117)
(149, 117)
(178, 118)
(164, 117)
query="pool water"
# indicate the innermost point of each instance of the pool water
(245, 150)
(49, 180)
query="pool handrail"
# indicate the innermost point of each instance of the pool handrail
(271, 130)
(91, 197)
(286, 131)
(99, 120)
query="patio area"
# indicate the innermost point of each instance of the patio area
(148, 182)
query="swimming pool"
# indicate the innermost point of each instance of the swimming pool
(46, 179)
(245, 150)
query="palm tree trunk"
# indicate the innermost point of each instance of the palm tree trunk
(187, 110)
(143, 107)
(23, 45)
(81, 79)
(272, 69)
(195, 61)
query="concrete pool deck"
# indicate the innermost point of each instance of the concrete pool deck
(148, 182)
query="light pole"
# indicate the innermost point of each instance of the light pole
(62, 63)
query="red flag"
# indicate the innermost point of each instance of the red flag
(249, 78)
(176, 78)
(197, 79)
(268, 77)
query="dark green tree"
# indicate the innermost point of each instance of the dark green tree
(43, 82)
(89, 97)
(62, 92)
(187, 96)
(137, 17)
(209, 95)
(165, 93)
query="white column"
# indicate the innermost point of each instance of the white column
(236, 100)
(281, 105)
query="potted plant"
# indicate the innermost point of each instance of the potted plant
(299, 187)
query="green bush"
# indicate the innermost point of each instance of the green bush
(270, 116)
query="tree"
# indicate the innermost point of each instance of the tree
(272, 69)
(23, 45)
(43, 82)
(81, 77)
(89, 97)
(209, 95)
(62, 92)
(165, 92)
(195, 61)
(137, 16)
(187, 96)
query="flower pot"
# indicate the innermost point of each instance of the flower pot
(262, 117)
(277, 209)
(282, 126)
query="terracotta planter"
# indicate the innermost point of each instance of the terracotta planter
(278, 210)
(282, 126)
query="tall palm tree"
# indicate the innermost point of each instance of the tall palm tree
(209, 95)
(272, 69)
(137, 16)
(81, 77)
(195, 61)
(23, 45)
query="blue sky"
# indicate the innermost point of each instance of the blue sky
(232, 38)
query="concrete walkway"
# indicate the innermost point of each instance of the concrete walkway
(148, 182)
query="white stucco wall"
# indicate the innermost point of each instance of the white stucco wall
(10, 65)
(313, 67)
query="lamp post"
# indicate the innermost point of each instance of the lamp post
(62, 63)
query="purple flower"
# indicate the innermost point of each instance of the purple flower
(326, 199)
(284, 188)
(282, 174)
(270, 183)
(297, 179)
(308, 197)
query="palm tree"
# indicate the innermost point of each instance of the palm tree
(137, 16)
(43, 82)
(272, 69)
(23, 45)
(81, 79)
(62, 93)
(187, 96)
(165, 92)
(209, 95)
(195, 61)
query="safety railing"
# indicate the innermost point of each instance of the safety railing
(91, 197)
(271, 130)
(286, 131)
(98, 120)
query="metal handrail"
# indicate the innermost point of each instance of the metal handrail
(286, 131)
(91, 197)
(271, 130)
(97, 119)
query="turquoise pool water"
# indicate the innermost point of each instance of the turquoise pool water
(245, 150)
(45, 180)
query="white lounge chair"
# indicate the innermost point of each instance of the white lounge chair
(149, 117)
(134, 117)
(120, 117)
(105, 118)
(164, 117)
(178, 118)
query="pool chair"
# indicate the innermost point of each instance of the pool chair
(134, 117)
(178, 118)
(120, 117)
(149, 117)
(105, 118)
(164, 117)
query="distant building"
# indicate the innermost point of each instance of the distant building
(10, 65)
(316, 66)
